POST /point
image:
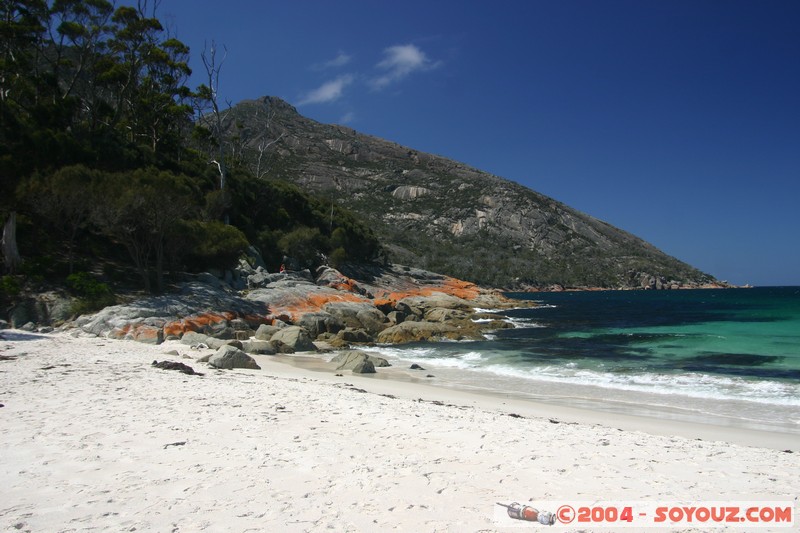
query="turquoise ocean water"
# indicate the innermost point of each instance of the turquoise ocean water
(727, 357)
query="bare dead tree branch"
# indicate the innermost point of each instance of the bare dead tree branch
(265, 144)
(213, 69)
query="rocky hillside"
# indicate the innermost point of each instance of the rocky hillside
(444, 216)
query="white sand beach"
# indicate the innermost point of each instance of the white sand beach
(94, 438)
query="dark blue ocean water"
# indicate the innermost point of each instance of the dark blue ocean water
(747, 333)
(729, 352)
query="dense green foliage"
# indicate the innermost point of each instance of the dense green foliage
(92, 294)
(101, 153)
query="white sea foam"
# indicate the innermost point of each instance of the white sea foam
(518, 323)
(692, 384)
(419, 352)
(471, 356)
(689, 385)
(521, 323)
(488, 311)
(466, 361)
(431, 356)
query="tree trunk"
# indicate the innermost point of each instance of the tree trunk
(160, 264)
(140, 253)
(10, 251)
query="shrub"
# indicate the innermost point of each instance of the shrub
(213, 244)
(337, 257)
(267, 243)
(305, 245)
(9, 288)
(92, 294)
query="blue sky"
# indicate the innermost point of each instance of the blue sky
(678, 121)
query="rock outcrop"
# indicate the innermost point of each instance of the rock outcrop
(229, 357)
(295, 338)
(358, 305)
(352, 359)
(52, 308)
(419, 331)
(197, 306)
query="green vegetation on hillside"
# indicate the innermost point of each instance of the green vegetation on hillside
(102, 163)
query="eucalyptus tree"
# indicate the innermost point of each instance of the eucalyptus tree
(22, 30)
(85, 82)
(146, 81)
(142, 210)
(211, 118)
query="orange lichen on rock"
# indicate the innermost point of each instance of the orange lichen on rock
(138, 332)
(460, 288)
(450, 286)
(256, 320)
(196, 322)
(148, 334)
(311, 303)
(120, 332)
(346, 284)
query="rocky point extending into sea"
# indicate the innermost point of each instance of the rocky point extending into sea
(258, 312)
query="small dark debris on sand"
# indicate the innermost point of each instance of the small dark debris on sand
(180, 367)
(415, 366)
(349, 386)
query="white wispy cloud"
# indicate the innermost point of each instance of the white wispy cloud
(399, 61)
(347, 118)
(340, 60)
(328, 92)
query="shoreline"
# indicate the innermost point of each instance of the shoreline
(410, 384)
(400, 382)
(94, 437)
(731, 413)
